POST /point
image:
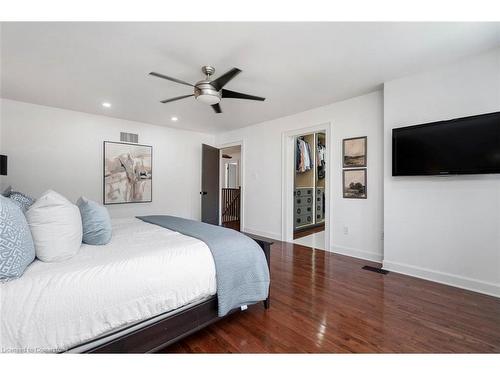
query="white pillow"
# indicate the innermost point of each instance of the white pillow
(56, 227)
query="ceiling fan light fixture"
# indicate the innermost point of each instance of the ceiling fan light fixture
(205, 93)
(208, 99)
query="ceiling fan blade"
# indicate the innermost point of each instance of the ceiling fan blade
(239, 95)
(220, 82)
(170, 78)
(176, 98)
(216, 108)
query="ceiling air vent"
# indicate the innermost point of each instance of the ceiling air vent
(129, 137)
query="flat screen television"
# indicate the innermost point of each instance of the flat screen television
(467, 145)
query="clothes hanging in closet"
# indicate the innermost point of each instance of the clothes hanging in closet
(320, 160)
(303, 157)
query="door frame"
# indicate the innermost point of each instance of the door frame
(287, 179)
(240, 143)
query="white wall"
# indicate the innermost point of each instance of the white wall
(445, 229)
(359, 116)
(62, 150)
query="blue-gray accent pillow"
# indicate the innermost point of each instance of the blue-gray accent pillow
(22, 200)
(17, 250)
(96, 222)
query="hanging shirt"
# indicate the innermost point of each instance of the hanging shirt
(321, 154)
(321, 161)
(307, 156)
(303, 156)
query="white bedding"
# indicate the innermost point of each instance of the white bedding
(145, 270)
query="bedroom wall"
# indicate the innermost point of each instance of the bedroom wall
(62, 150)
(445, 229)
(359, 116)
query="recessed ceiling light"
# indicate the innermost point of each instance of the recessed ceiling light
(106, 105)
(174, 119)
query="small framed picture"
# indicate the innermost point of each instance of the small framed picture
(354, 152)
(354, 182)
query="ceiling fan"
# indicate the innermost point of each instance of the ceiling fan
(210, 91)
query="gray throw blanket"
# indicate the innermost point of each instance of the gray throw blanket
(241, 268)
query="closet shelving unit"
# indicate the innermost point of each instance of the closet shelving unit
(309, 201)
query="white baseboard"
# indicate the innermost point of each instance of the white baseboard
(274, 236)
(356, 253)
(444, 278)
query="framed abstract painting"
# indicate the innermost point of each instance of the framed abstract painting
(128, 173)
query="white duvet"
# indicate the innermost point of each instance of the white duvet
(144, 271)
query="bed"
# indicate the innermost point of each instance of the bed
(147, 288)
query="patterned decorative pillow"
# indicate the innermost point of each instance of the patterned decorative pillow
(22, 200)
(17, 250)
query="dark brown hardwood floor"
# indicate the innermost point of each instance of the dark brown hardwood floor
(235, 224)
(325, 303)
(306, 232)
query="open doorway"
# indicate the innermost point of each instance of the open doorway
(306, 183)
(309, 190)
(230, 182)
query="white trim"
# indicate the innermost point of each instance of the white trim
(240, 143)
(444, 278)
(356, 253)
(274, 236)
(287, 179)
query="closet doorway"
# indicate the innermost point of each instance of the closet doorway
(230, 182)
(309, 190)
(306, 187)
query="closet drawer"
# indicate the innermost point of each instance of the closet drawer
(304, 201)
(303, 220)
(303, 210)
(303, 192)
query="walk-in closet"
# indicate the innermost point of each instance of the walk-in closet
(309, 189)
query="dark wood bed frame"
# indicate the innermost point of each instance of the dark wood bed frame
(160, 334)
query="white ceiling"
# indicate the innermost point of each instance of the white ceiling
(296, 66)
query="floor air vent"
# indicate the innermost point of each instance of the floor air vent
(375, 269)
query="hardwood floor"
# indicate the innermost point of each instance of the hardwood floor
(308, 231)
(232, 225)
(325, 303)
